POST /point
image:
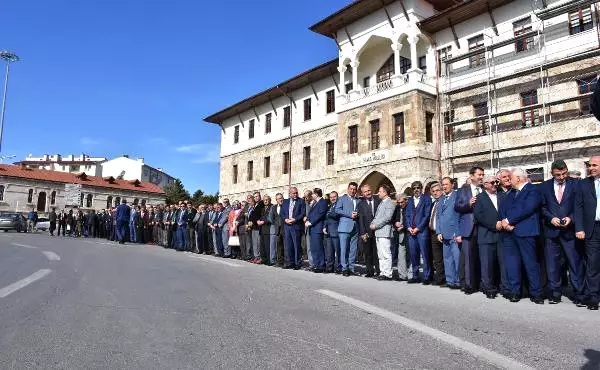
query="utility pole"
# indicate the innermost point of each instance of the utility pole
(9, 58)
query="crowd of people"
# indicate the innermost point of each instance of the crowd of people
(495, 234)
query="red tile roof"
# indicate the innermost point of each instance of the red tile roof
(70, 178)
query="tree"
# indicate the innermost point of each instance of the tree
(176, 192)
(200, 198)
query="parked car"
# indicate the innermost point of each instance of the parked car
(13, 221)
(42, 224)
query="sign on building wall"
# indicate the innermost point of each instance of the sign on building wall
(72, 194)
(375, 157)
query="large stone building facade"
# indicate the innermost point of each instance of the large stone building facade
(423, 89)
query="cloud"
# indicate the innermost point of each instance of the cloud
(88, 141)
(203, 153)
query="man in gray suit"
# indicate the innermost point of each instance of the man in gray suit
(402, 273)
(382, 225)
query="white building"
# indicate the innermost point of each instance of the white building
(66, 163)
(420, 90)
(135, 169)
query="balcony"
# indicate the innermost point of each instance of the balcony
(413, 80)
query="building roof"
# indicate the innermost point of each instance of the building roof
(61, 162)
(81, 178)
(360, 9)
(459, 13)
(305, 78)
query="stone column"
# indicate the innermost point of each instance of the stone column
(342, 70)
(414, 59)
(355, 65)
(396, 46)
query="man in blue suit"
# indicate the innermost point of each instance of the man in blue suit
(466, 197)
(558, 205)
(346, 208)
(446, 226)
(587, 228)
(123, 216)
(292, 214)
(417, 213)
(520, 218)
(489, 225)
(314, 220)
(332, 250)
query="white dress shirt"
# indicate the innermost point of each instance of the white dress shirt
(557, 187)
(493, 198)
(597, 186)
(475, 190)
(416, 200)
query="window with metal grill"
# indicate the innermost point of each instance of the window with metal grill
(448, 129)
(580, 20)
(531, 115)
(374, 125)
(399, 136)
(476, 43)
(405, 65)
(522, 27)
(386, 71)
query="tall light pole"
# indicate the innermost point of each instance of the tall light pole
(9, 58)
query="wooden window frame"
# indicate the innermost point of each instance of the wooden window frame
(374, 137)
(330, 152)
(353, 139)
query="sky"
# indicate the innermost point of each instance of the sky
(137, 77)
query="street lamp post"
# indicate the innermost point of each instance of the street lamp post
(9, 58)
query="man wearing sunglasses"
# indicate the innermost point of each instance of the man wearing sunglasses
(418, 211)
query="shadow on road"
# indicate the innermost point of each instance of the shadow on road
(593, 359)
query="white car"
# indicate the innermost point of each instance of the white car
(42, 224)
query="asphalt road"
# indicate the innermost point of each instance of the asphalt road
(86, 304)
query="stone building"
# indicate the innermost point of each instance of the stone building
(23, 189)
(420, 90)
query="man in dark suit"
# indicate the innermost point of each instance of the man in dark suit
(253, 218)
(293, 212)
(437, 248)
(314, 221)
(504, 188)
(201, 230)
(587, 227)
(466, 197)
(122, 218)
(265, 230)
(346, 209)
(417, 212)
(366, 208)
(520, 218)
(489, 225)
(332, 249)
(558, 205)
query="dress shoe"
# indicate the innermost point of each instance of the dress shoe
(318, 271)
(296, 267)
(513, 298)
(469, 291)
(396, 278)
(286, 267)
(491, 295)
(383, 278)
(554, 300)
(369, 274)
(346, 273)
(592, 306)
(338, 272)
(413, 281)
(443, 285)
(403, 279)
(454, 287)
(426, 282)
(537, 300)
(354, 273)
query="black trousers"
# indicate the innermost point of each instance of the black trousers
(63, 226)
(52, 227)
(437, 256)
(369, 248)
(265, 247)
(592, 274)
(470, 275)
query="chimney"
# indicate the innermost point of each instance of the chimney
(140, 159)
(126, 155)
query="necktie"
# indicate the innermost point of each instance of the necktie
(371, 207)
(292, 204)
(561, 189)
(477, 190)
(432, 219)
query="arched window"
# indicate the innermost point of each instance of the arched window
(53, 197)
(387, 70)
(1, 192)
(117, 201)
(88, 201)
(109, 202)
(30, 196)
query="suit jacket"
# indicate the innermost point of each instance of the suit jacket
(226, 212)
(317, 215)
(418, 217)
(298, 213)
(344, 208)
(522, 211)
(551, 208)
(123, 212)
(364, 215)
(384, 216)
(332, 222)
(466, 222)
(256, 214)
(399, 217)
(265, 229)
(585, 207)
(447, 219)
(487, 216)
(275, 222)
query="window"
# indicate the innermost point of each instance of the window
(250, 170)
(366, 82)
(251, 129)
(399, 136)
(423, 63)
(268, 118)
(236, 134)
(428, 127)
(536, 175)
(531, 115)
(586, 85)
(1, 192)
(74, 168)
(109, 202)
(476, 43)
(330, 101)
(481, 111)
(235, 173)
(287, 116)
(81, 200)
(448, 129)
(52, 197)
(405, 65)
(353, 139)
(307, 109)
(519, 28)
(374, 126)
(387, 70)
(286, 163)
(580, 20)
(329, 148)
(30, 196)
(443, 55)
(349, 87)
(267, 169)
(89, 200)
(306, 157)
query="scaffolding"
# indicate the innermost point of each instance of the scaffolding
(535, 42)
